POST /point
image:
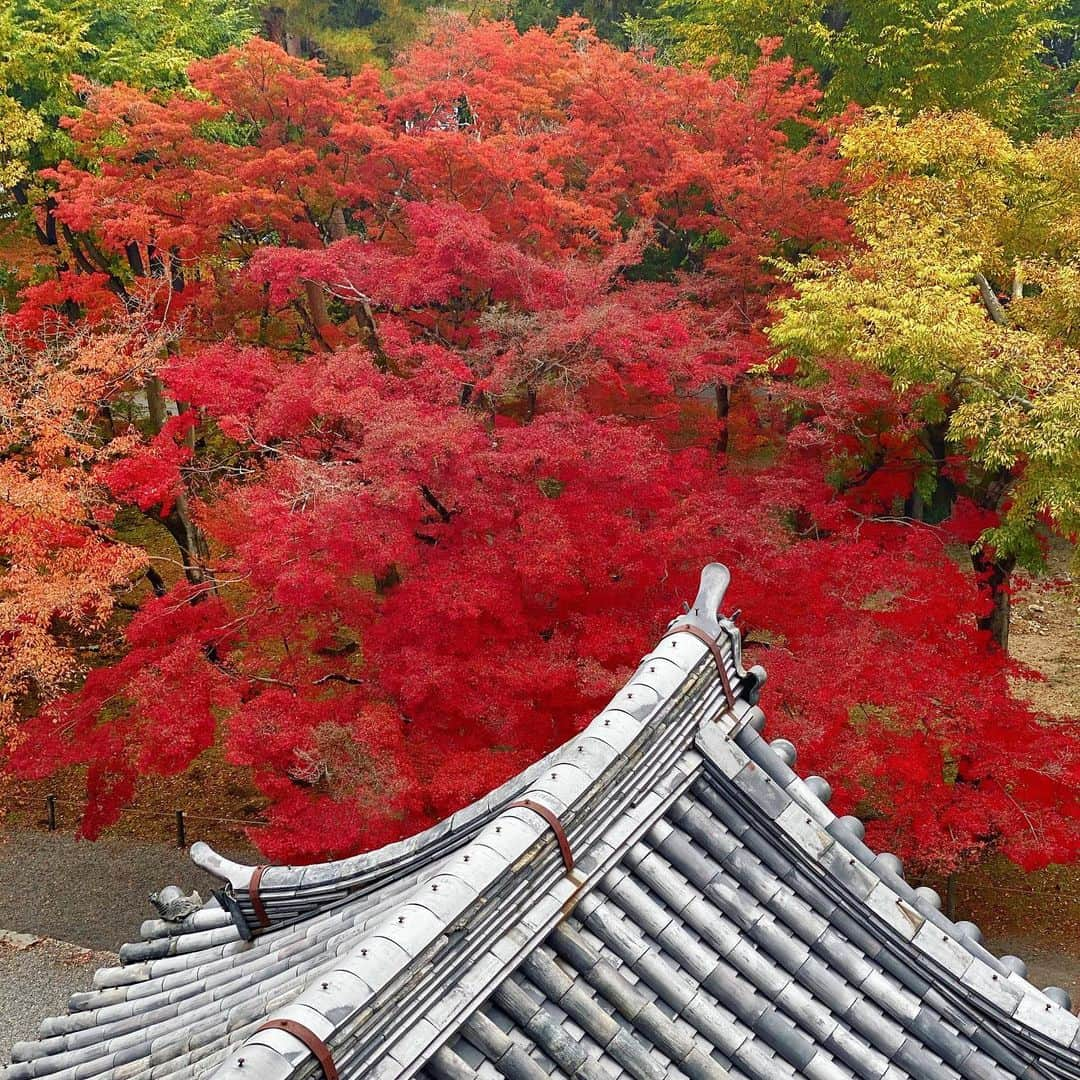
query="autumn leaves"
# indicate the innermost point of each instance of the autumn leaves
(458, 377)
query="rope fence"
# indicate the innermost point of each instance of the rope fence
(1060, 893)
(179, 817)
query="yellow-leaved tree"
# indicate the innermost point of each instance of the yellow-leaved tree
(964, 286)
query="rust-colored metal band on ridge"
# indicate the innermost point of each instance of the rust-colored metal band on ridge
(256, 899)
(555, 825)
(717, 653)
(318, 1048)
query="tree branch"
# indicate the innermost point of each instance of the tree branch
(990, 301)
(432, 501)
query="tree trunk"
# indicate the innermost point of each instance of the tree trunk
(134, 258)
(316, 302)
(990, 301)
(835, 17)
(361, 309)
(157, 263)
(933, 439)
(157, 583)
(723, 413)
(994, 575)
(190, 539)
(336, 226)
(155, 404)
(176, 271)
(45, 236)
(274, 25)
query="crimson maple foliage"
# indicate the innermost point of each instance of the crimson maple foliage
(451, 412)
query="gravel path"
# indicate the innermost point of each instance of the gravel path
(91, 894)
(91, 897)
(38, 976)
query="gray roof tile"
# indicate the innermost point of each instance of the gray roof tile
(719, 922)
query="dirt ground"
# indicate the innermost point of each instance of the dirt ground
(92, 895)
(220, 806)
(1037, 916)
(1045, 635)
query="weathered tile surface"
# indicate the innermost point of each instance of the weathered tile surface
(718, 922)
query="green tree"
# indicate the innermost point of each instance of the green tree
(43, 43)
(344, 34)
(963, 286)
(613, 20)
(1010, 61)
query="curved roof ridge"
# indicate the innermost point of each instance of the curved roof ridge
(675, 892)
(238, 874)
(511, 859)
(327, 883)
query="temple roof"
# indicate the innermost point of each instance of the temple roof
(662, 896)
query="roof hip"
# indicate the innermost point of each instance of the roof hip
(663, 895)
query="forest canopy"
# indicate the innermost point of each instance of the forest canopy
(374, 383)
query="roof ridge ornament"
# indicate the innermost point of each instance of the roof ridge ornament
(704, 622)
(715, 579)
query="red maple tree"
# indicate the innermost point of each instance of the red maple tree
(450, 428)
